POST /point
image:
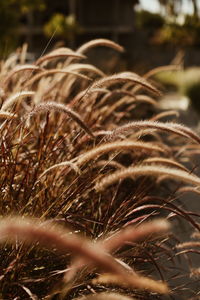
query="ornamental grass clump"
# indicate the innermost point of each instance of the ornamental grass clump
(90, 183)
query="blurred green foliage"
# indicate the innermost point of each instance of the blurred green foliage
(12, 12)
(63, 26)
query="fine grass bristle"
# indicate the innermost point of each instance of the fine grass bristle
(100, 42)
(135, 234)
(16, 97)
(165, 161)
(168, 127)
(157, 170)
(59, 53)
(31, 231)
(105, 296)
(62, 165)
(120, 145)
(165, 114)
(146, 99)
(140, 282)
(123, 78)
(85, 67)
(18, 69)
(53, 106)
(53, 72)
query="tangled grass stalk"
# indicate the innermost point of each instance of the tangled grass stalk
(29, 231)
(114, 248)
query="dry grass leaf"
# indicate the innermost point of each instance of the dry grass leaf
(110, 163)
(87, 94)
(61, 165)
(189, 189)
(103, 101)
(29, 293)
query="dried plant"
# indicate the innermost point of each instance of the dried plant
(59, 53)
(16, 97)
(53, 106)
(100, 42)
(85, 151)
(168, 127)
(146, 170)
(64, 241)
(107, 296)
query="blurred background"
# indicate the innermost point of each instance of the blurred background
(153, 32)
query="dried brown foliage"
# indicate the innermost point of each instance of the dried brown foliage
(84, 151)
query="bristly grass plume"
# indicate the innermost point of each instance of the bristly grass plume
(89, 183)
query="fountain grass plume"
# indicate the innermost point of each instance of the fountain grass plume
(53, 106)
(148, 170)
